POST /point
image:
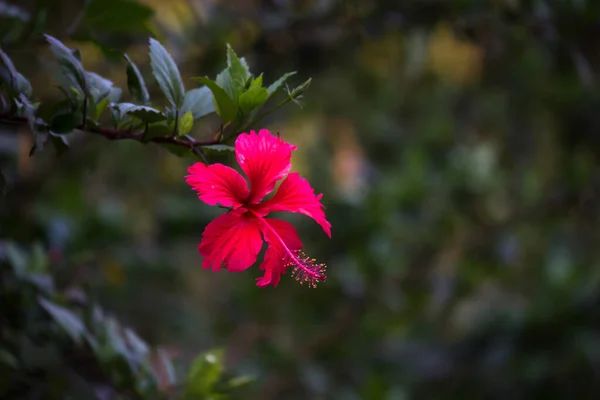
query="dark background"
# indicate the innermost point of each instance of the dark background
(456, 144)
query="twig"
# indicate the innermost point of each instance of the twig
(114, 134)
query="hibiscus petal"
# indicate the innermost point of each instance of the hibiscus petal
(218, 184)
(265, 159)
(296, 195)
(231, 241)
(273, 263)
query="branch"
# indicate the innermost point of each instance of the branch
(114, 134)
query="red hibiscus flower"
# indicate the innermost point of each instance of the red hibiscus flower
(234, 239)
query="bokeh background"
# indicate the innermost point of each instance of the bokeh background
(456, 144)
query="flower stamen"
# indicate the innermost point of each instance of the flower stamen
(304, 269)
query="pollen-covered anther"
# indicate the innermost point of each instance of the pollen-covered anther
(306, 269)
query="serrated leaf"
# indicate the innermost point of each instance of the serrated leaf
(275, 86)
(300, 89)
(199, 101)
(257, 82)
(100, 107)
(146, 114)
(76, 53)
(253, 98)
(225, 107)
(66, 319)
(237, 67)
(122, 107)
(89, 122)
(12, 11)
(114, 95)
(166, 73)
(139, 347)
(186, 122)
(97, 87)
(17, 82)
(47, 110)
(219, 147)
(70, 65)
(225, 81)
(135, 83)
(205, 372)
(27, 110)
(65, 123)
(117, 16)
(168, 366)
(239, 381)
(60, 143)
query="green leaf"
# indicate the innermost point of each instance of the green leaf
(253, 98)
(219, 147)
(76, 53)
(27, 110)
(199, 101)
(60, 143)
(114, 95)
(257, 82)
(66, 319)
(139, 347)
(70, 65)
(12, 11)
(238, 68)
(100, 107)
(159, 129)
(300, 89)
(205, 372)
(297, 93)
(135, 83)
(122, 108)
(13, 25)
(225, 81)
(224, 105)
(168, 366)
(17, 82)
(239, 382)
(146, 114)
(275, 86)
(97, 87)
(167, 74)
(117, 16)
(186, 122)
(65, 123)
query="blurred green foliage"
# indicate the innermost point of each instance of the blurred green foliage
(456, 144)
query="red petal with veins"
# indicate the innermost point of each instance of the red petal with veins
(280, 235)
(231, 241)
(218, 184)
(265, 159)
(296, 195)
